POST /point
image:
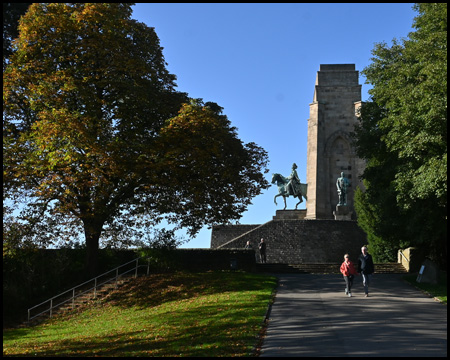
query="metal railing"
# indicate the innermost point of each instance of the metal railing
(403, 255)
(70, 295)
(405, 260)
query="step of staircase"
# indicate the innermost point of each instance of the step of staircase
(90, 297)
(324, 268)
(390, 268)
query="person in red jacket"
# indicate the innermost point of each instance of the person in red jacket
(349, 271)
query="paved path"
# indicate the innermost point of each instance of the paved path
(311, 316)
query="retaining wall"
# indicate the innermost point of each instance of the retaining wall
(296, 241)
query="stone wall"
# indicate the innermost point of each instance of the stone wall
(214, 259)
(222, 233)
(297, 241)
(411, 258)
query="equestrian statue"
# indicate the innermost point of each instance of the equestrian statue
(290, 186)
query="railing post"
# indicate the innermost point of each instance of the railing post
(96, 284)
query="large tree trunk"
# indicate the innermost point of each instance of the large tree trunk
(92, 231)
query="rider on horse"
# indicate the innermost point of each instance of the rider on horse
(289, 186)
(293, 186)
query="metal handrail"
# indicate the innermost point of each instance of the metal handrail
(403, 255)
(95, 287)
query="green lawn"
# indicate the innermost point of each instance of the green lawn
(182, 314)
(438, 290)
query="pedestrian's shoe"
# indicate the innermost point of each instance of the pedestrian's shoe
(349, 294)
(367, 295)
(346, 291)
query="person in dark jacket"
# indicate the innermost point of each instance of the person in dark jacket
(262, 251)
(365, 268)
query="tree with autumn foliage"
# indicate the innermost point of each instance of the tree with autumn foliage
(11, 15)
(96, 140)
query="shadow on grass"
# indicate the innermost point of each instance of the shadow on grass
(202, 328)
(438, 290)
(13, 334)
(199, 330)
(153, 290)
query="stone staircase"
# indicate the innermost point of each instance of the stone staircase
(82, 301)
(324, 268)
(390, 268)
(92, 296)
(88, 291)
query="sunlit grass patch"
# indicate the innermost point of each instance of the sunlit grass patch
(200, 314)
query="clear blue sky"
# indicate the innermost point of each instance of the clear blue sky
(259, 62)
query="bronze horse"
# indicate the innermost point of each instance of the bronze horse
(285, 191)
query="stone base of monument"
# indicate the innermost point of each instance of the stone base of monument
(342, 213)
(295, 241)
(290, 215)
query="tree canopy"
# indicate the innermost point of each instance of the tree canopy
(11, 15)
(97, 140)
(403, 137)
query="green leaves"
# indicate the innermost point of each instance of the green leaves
(93, 125)
(210, 176)
(403, 131)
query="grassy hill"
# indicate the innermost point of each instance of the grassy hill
(181, 314)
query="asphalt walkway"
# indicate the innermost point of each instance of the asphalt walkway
(311, 316)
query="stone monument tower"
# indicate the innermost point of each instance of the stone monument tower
(337, 98)
(326, 231)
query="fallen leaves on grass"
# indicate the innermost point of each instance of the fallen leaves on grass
(180, 314)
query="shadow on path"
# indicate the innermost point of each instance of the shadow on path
(311, 316)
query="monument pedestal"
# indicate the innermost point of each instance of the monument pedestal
(291, 241)
(342, 213)
(290, 215)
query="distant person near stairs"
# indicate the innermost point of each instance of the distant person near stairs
(262, 251)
